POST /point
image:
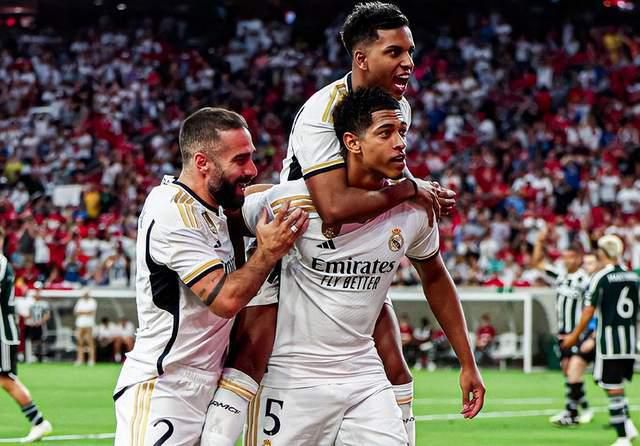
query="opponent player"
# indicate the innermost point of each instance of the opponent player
(187, 291)
(325, 381)
(9, 342)
(570, 283)
(378, 38)
(613, 297)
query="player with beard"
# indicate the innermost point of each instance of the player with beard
(378, 38)
(187, 287)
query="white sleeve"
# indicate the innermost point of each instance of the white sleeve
(252, 209)
(316, 147)
(187, 251)
(426, 244)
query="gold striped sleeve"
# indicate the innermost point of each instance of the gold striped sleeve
(327, 110)
(237, 389)
(201, 271)
(294, 203)
(405, 400)
(191, 212)
(321, 167)
(291, 198)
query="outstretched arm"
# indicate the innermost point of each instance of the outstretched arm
(445, 304)
(227, 294)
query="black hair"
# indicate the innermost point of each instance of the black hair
(200, 131)
(362, 25)
(353, 113)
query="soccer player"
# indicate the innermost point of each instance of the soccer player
(187, 288)
(9, 342)
(35, 327)
(613, 297)
(378, 38)
(570, 283)
(325, 382)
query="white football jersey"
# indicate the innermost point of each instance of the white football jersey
(313, 145)
(332, 290)
(181, 239)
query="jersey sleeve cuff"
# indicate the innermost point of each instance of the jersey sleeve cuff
(205, 268)
(425, 258)
(322, 167)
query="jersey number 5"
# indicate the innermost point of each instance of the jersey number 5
(269, 413)
(625, 305)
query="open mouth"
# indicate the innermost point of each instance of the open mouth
(398, 159)
(401, 81)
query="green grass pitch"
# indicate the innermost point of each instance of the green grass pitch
(77, 400)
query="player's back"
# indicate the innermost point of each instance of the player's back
(332, 290)
(313, 146)
(615, 290)
(175, 327)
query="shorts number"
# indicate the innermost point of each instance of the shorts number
(162, 440)
(625, 305)
(268, 413)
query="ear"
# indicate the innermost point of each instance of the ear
(352, 142)
(201, 162)
(360, 59)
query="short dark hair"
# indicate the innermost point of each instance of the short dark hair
(353, 113)
(201, 130)
(366, 19)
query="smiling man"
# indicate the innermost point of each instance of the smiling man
(379, 40)
(187, 288)
(326, 383)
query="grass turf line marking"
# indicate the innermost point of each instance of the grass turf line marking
(65, 438)
(505, 401)
(505, 414)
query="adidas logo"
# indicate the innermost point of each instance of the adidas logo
(327, 245)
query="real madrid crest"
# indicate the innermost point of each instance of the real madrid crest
(396, 240)
(331, 231)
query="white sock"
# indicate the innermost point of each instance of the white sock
(404, 398)
(227, 411)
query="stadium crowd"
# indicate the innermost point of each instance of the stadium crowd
(529, 132)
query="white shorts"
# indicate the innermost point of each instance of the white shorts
(167, 410)
(352, 414)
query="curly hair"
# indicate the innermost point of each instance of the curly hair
(353, 113)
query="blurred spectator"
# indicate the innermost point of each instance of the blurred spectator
(85, 312)
(125, 337)
(105, 335)
(485, 335)
(406, 337)
(35, 327)
(425, 350)
(525, 130)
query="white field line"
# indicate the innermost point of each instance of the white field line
(506, 414)
(65, 438)
(435, 417)
(503, 401)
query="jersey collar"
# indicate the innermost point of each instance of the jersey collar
(349, 83)
(188, 190)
